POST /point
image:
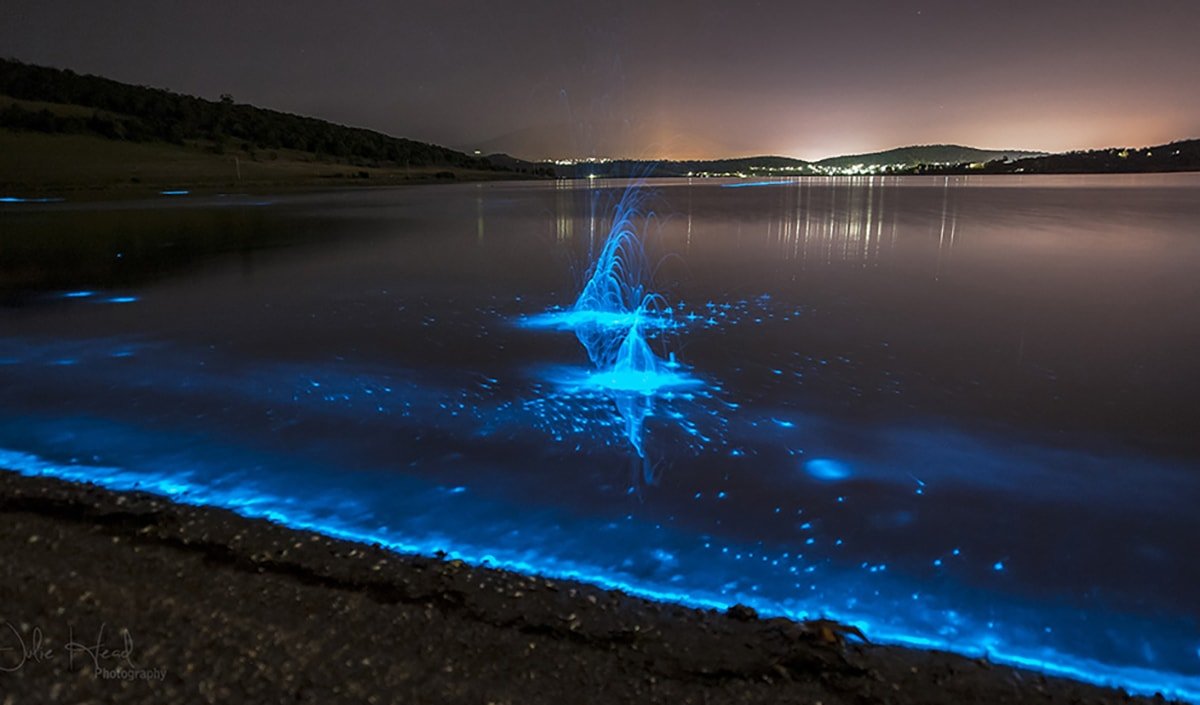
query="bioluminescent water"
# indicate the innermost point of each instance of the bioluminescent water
(954, 412)
(615, 312)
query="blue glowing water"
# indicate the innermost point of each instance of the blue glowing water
(611, 317)
(954, 415)
(616, 296)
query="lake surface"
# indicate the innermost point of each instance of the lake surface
(957, 412)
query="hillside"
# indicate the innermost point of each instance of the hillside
(64, 131)
(141, 114)
(906, 157)
(1183, 155)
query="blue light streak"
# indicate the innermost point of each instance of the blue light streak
(575, 319)
(749, 184)
(94, 297)
(17, 199)
(647, 382)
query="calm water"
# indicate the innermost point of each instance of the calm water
(957, 412)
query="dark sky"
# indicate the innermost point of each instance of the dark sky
(694, 78)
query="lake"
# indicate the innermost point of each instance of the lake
(958, 412)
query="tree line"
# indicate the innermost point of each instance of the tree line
(139, 113)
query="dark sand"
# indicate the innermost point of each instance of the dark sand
(232, 610)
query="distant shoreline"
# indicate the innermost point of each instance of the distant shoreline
(90, 168)
(82, 168)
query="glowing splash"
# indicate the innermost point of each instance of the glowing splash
(613, 317)
(615, 297)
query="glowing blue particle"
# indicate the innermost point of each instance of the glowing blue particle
(998, 565)
(78, 294)
(827, 470)
(174, 192)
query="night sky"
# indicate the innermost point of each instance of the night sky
(685, 79)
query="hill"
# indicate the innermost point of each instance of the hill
(1183, 155)
(59, 129)
(908, 157)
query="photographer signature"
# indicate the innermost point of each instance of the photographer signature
(36, 649)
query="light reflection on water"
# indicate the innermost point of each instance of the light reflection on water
(952, 412)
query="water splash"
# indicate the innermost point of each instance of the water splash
(615, 317)
(615, 297)
(617, 286)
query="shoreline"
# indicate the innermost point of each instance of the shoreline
(226, 607)
(17, 196)
(82, 194)
(88, 168)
